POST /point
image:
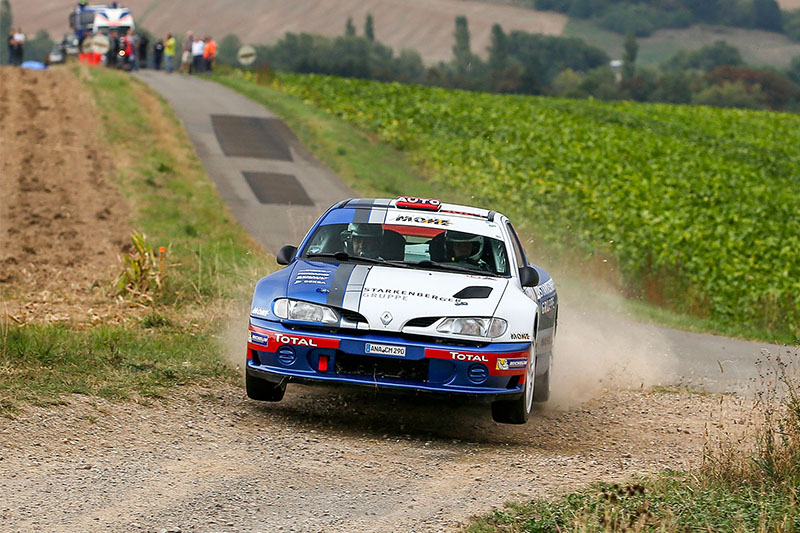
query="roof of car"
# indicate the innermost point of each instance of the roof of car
(428, 205)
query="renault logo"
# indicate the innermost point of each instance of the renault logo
(386, 317)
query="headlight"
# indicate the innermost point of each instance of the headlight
(304, 311)
(476, 327)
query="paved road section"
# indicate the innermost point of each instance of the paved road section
(272, 184)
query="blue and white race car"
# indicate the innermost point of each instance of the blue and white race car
(408, 294)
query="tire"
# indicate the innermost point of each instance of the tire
(541, 385)
(263, 390)
(518, 410)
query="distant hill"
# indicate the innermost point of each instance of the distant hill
(423, 25)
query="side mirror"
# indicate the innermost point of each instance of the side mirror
(286, 254)
(528, 276)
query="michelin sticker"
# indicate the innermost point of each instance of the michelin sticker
(510, 364)
(260, 311)
(259, 339)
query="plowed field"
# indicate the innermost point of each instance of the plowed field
(62, 220)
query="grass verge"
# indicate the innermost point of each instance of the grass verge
(672, 502)
(211, 266)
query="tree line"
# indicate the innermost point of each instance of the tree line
(642, 17)
(525, 63)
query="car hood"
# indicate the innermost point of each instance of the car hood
(389, 297)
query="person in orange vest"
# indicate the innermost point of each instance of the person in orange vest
(209, 53)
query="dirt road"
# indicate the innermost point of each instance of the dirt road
(321, 460)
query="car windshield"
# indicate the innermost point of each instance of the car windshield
(411, 246)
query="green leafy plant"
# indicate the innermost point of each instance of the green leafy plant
(143, 272)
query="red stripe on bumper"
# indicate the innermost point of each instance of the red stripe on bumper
(264, 340)
(500, 364)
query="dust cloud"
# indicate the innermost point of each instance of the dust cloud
(600, 347)
(233, 337)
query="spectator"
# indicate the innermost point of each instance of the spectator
(141, 56)
(19, 38)
(198, 46)
(84, 56)
(113, 49)
(158, 54)
(169, 52)
(209, 53)
(12, 49)
(186, 53)
(132, 45)
(126, 46)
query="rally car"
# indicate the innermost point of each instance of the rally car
(408, 293)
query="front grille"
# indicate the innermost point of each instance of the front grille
(422, 322)
(380, 367)
(444, 341)
(352, 316)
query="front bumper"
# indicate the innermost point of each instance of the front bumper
(275, 352)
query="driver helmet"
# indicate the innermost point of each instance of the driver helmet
(463, 246)
(363, 239)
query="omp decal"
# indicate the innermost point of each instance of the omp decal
(520, 336)
(545, 289)
(489, 359)
(503, 363)
(548, 305)
(260, 311)
(423, 220)
(269, 341)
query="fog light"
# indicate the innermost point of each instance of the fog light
(286, 355)
(477, 373)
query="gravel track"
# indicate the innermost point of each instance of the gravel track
(323, 460)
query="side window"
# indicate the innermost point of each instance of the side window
(519, 253)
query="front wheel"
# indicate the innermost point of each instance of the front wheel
(263, 390)
(517, 411)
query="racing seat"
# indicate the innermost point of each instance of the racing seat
(436, 248)
(393, 246)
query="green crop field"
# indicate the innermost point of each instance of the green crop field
(696, 207)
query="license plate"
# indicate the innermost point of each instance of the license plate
(385, 349)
